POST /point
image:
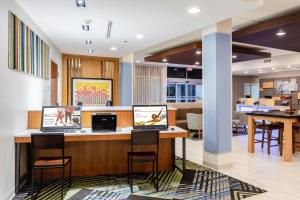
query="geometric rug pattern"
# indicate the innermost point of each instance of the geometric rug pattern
(199, 183)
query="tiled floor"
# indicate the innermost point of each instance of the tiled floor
(280, 179)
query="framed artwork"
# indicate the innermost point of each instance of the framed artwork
(91, 91)
(27, 52)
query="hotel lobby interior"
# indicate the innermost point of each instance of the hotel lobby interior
(150, 100)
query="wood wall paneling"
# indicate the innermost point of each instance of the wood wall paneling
(90, 67)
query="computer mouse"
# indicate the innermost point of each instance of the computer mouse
(172, 129)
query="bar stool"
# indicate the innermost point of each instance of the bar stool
(296, 143)
(145, 138)
(49, 141)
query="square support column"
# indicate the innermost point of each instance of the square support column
(126, 80)
(217, 94)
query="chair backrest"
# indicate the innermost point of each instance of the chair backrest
(48, 141)
(243, 118)
(194, 121)
(145, 137)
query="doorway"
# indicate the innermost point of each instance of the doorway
(54, 83)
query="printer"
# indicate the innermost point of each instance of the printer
(102, 122)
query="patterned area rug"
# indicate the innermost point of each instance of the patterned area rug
(199, 183)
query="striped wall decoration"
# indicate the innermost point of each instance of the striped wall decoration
(27, 52)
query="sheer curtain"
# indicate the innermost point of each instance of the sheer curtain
(149, 84)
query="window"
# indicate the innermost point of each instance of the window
(183, 92)
(251, 90)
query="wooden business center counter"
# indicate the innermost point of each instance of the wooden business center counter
(99, 153)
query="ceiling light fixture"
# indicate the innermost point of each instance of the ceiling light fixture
(137, 61)
(246, 72)
(288, 66)
(139, 36)
(91, 51)
(86, 27)
(198, 52)
(113, 48)
(80, 3)
(165, 60)
(234, 56)
(273, 68)
(280, 33)
(259, 70)
(197, 63)
(194, 10)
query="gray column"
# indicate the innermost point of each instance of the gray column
(217, 94)
(126, 80)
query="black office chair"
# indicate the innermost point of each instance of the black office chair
(49, 141)
(138, 138)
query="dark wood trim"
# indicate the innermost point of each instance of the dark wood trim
(245, 50)
(269, 24)
(176, 50)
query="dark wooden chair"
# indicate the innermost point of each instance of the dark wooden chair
(138, 138)
(296, 136)
(269, 128)
(49, 141)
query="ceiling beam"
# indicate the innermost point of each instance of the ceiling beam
(250, 51)
(269, 24)
(174, 51)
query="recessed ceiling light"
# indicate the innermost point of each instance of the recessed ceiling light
(197, 63)
(91, 51)
(139, 36)
(165, 60)
(273, 68)
(245, 72)
(113, 48)
(198, 52)
(259, 70)
(280, 33)
(234, 56)
(137, 61)
(85, 27)
(288, 66)
(194, 10)
(80, 3)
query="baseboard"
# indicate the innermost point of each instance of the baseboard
(10, 195)
(217, 161)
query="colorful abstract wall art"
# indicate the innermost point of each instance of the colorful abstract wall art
(91, 91)
(26, 51)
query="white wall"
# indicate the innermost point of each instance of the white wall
(18, 94)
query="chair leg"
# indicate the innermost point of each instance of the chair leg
(263, 139)
(62, 183)
(128, 173)
(280, 136)
(131, 179)
(32, 184)
(293, 142)
(153, 172)
(156, 186)
(42, 178)
(269, 140)
(70, 174)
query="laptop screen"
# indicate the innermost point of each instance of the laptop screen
(150, 116)
(61, 117)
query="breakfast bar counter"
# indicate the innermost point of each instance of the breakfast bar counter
(286, 119)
